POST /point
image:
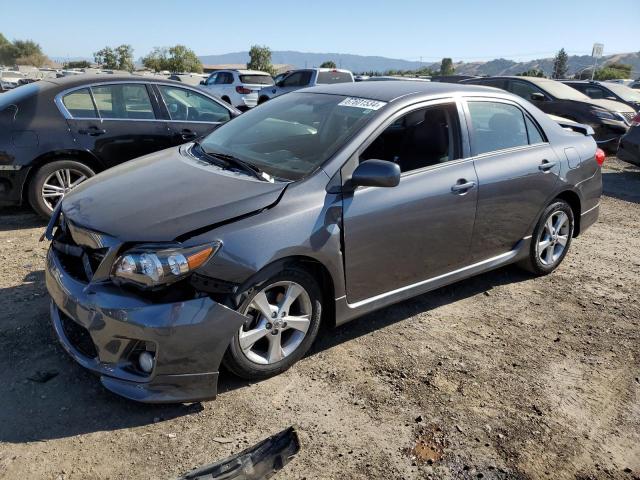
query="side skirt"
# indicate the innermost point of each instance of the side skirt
(346, 311)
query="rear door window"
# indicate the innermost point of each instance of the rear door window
(523, 89)
(496, 126)
(334, 77)
(123, 101)
(297, 79)
(79, 104)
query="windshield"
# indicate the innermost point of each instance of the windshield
(624, 92)
(289, 137)
(561, 91)
(257, 79)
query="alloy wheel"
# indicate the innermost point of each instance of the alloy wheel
(554, 238)
(59, 183)
(280, 316)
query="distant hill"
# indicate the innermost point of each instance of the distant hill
(361, 63)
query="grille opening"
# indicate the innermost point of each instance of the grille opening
(78, 336)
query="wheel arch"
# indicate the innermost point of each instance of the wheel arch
(310, 265)
(573, 199)
(78, 155)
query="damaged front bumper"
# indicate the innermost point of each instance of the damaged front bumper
(105, 328)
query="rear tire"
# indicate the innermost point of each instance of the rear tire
(265, 346)
(262, 100)
(551, 239)
(226, 99)
(52, 181)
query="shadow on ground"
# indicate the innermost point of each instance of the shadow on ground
(72, 401)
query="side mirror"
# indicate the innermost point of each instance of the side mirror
(537, 97)
(376, 173)
(202, 82)
(279, 83)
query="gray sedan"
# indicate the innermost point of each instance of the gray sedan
(317, 207)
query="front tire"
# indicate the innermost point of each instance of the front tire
(551, 239)
(284, 317)
(52, 181)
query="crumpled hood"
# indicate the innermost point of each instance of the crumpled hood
(609, 105)
(164, 195)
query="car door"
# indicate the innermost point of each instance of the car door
(422, 228)
(191, 114)
(117, 122)
(517, 173)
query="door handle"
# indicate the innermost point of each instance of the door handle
(462, 186)
(546, 165)
(92, 131)
(187, 134)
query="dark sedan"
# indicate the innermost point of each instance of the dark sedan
(317, 207)
(609, 119)
(56, 133)
(629, 150)
(607, 91)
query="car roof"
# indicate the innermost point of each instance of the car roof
(389, 91)
(88, 78)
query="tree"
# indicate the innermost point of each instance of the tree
(260, 59)
(78, 64)
(119, 58)
(183, 59)
(532, 72)
(560, 66)
(612, 71)
(446, 67)
(328, 64)
(157, 60)
(174, 59)
(21, 52)
(8, 52)
(106, 58)
(124, 54)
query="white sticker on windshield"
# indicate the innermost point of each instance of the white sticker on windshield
(362, 103)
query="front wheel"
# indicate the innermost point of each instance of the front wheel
(283, 321)
(551, 239)
(52, 181)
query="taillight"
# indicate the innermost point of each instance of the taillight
(600, 156)
(635, 121)
(242, 90)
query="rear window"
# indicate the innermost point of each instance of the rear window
(334, 77)
(256, 79)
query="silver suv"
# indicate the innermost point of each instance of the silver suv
(238, 87)
(307, 77)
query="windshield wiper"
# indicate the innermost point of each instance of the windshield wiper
(230, 160)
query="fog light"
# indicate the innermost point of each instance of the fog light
(145, 360)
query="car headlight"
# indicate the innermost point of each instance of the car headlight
(150, 266)
(605, 115)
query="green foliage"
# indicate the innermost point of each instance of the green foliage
(613, 71)
(21, 52)
(560, 64)
(420, 72)
(78, 64)
(532, 72)
(118, 58)
(446, 67)
(175, 59)
(328, 64)
(260, 59)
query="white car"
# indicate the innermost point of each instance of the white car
(306, 77)
(237, 87)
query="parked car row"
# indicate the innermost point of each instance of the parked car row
(610, 119)
(245, 89)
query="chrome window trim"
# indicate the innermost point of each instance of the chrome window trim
(65, 113)
(195, 91)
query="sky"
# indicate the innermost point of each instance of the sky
(408, 29)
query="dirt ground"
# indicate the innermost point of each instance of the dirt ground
(499, 376)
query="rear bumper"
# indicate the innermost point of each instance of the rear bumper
(110, 327)
(589, 217)
(249, 101)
